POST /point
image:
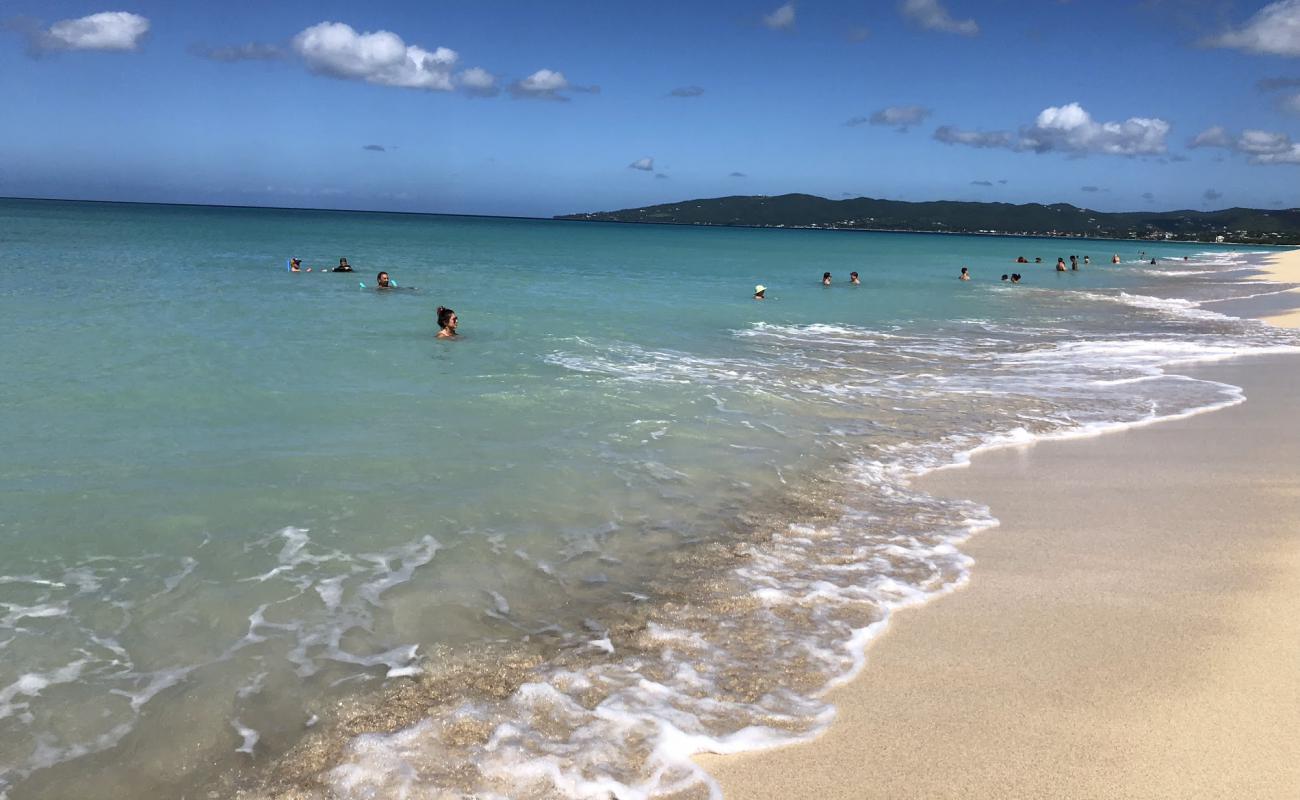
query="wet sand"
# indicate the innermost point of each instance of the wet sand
(1129, 630)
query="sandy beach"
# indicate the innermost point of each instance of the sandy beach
(1284, 268)
(1128, 630)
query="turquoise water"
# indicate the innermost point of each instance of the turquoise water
(250, 516)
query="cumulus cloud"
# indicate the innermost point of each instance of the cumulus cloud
(646, 164)
(378, 148)
(1212, 195)
(981, 183)
(337, 50)
(1274, 30)
(119, 31)
(780, 19)
(1260, 147)
(983, 139)
(687, 91)
(253, 51)
(478, 82)
(931, 15)
(900, 117)
(545, 84)
(1070, 129)
(737, 175)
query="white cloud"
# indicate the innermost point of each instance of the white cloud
(1070, 128)
(982, 139)
(932, 16)
(478, 82)
(1274, 30)
(544, 84)
(901, 117)
(1211, 137)
(646, 164)
(335, 49)
(107, 30)
(780, 19)
(1262, 147)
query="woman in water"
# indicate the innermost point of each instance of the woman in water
(965, 274)
(446, 323)
(826, 279)
(760, 292)
(853, 279)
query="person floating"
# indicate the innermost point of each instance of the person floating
(826, 279)
(965, 274)
(760, 292)
(1022, 260)
(295, 265)
(343, 266)
(382, 281)
(853, 279)
(1038, 259)
(446, 323)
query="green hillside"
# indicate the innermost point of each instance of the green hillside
(1031, 219)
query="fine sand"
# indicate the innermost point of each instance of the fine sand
(1284, 268)
(1129, 631)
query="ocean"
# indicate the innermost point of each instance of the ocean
(263, 533)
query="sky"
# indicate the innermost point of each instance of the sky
(535, 109)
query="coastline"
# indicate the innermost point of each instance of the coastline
(1284, 268)
(1125, 632)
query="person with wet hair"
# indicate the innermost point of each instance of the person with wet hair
(854, 279)
(1015, 277)
(1004, 276)
(826, 279)
(965, 274)
(1060, 265)
(446, 323)
(382, 281)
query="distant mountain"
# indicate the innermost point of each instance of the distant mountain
(1251, 225)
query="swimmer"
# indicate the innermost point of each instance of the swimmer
(1015, 277)
(1038, 259)
(965, 274)
(1004, 277)
(826, 279)
(1114, 259)
(343, 266)
(295, 265)
(1060, 265)
(1153, 261)
(1022, 260)
(1087, 260)
(382, 282)
(760, 292)
(1074, 263)
(853, 279)
(446, 323)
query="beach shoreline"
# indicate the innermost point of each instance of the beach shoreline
(1284, 268)
(1112, 641)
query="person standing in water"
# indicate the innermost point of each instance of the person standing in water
(1074, 263)
(295, 265)
(446, 323)
(382, 282)
(965, 274)
(1060, 265)
(343, 266)
(760, 292)
(1114, 259)
(826, 279)
(853, 279)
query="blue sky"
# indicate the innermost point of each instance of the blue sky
(501, 107)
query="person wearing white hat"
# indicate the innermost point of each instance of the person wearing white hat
(760, 292)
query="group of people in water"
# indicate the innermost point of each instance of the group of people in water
(447, 320)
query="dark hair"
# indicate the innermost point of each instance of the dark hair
(1004, 277)
(444, 316)
(381, 274)
(826, 274)
(853, 274)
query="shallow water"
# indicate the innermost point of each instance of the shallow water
(264, 533)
